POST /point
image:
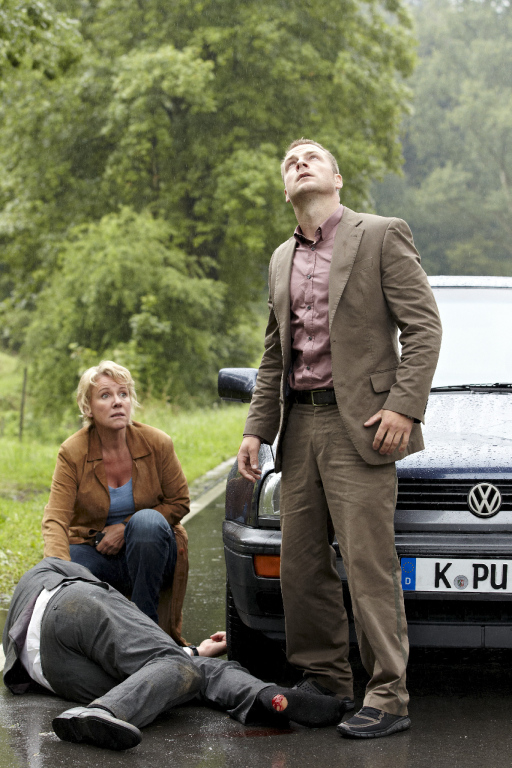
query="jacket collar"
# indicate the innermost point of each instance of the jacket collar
(137, 443)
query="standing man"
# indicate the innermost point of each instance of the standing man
(345, 404)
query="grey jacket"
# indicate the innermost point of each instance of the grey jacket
(48, 574)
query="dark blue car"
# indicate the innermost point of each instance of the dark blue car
(453, 517)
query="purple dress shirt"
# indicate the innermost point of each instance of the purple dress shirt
(309, 307)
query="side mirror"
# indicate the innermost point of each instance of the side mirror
(237, 384)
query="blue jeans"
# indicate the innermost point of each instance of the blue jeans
(144, 564)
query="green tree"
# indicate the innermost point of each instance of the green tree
(33, 34)
(457, 187)
(181, 113)
(122, 291)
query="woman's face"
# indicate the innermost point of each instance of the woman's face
(110, 404)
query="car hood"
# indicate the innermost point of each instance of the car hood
(467, 433)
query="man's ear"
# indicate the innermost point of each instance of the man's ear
(286, 196)
(338, 180)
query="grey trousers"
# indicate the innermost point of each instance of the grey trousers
(324, 475)
(98, 648)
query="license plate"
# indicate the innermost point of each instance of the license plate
(433, 574)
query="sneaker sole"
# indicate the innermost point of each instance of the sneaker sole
(396, 727)
(94, 730)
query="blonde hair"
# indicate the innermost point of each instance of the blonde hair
(89, 380)
(299, 142)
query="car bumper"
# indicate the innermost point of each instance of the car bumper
(461, 621)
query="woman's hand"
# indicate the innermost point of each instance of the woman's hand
(113, 539)
(213, 646)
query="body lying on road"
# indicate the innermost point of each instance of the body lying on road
(78, 637)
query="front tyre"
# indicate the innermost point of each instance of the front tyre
(262, 657)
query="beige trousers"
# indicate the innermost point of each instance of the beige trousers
(323, 474)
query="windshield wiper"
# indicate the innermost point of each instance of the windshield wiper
(472, 387)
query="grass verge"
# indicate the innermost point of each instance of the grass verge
(202, 439)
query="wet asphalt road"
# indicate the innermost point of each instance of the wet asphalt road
(461, 705)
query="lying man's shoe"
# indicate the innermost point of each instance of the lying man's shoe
(309, 709)
(93, 725)
(310, 685)
(371, 723)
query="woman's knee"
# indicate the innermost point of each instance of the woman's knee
(148, 527)
(148, 523)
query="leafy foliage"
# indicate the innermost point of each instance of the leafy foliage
(457, 189)
(34, 35)
(122, 291)
(172, 123)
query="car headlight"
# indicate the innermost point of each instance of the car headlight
(270, 497)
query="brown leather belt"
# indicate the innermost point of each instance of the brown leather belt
(313, 396)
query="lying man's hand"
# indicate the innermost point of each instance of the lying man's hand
(213, 646)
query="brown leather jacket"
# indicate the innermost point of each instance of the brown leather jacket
(79, 502)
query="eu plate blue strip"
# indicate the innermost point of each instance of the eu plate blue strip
(408, 573)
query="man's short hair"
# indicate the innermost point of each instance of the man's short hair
(299, 142)
(90, 378)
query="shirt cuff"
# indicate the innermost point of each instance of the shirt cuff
(261, 439)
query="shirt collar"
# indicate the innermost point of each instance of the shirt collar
(324, 230)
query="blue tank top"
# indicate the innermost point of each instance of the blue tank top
(121, 503)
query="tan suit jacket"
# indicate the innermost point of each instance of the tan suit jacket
(376, 286)
(79, 502)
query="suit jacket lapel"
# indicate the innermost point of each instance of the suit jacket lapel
(281, 294)
(346, 245)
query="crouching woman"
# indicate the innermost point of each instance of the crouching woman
(117, 497)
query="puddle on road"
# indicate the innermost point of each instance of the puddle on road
(204, 609)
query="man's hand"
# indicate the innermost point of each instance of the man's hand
(393, 432)
(213, 646)
(248, 458)
(113, 540)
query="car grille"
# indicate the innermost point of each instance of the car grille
(424, 610)
(460, 611)
(445, 494)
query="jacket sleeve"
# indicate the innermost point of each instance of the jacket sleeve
(413, 306)
(58, 511)
(176, 501)
(264, 413)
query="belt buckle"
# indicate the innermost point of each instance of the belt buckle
(313, 393)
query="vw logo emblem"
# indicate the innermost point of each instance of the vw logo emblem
(484, 500)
